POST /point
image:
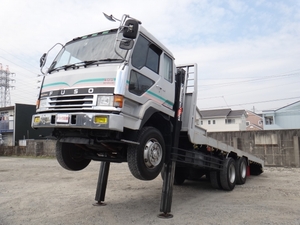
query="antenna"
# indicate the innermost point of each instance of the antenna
(111, 18)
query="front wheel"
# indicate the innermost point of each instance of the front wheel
(145, 160)
(71, 156)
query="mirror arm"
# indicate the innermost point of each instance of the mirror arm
(45, 55)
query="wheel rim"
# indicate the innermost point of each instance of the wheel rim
(231, 173)
(152, 153)
(243, 169)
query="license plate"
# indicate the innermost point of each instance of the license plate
(62, 118)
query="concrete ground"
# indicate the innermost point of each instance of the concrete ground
(38, 191)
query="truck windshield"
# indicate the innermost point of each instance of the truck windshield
(90, 48)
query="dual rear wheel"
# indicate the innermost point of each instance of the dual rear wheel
(233, 172)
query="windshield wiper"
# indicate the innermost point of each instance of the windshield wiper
(83, 63)
(86, 63)
(64, 67)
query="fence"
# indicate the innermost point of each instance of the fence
(276, 148)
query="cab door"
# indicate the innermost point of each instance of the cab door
(146, 79)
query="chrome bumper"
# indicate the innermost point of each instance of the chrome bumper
(78, 120)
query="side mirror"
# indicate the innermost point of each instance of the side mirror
(130, 29)
(43, 60)
(126, 44)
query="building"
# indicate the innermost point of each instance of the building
(223, 120)
(254, 121)
(287, 117)
(7, 125)
(15, 125)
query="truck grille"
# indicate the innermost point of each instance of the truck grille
(71, 102)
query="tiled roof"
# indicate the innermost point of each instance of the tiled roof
(236, 113)
(214, 113)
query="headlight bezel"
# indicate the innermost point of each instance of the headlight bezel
(105, 100)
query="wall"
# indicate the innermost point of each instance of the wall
(40, 147)
(275, 147)
(32, 148)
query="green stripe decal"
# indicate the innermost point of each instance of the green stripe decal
(156, 96)
(159, 97)
(91, 80)
(78, 82)
(56, 84)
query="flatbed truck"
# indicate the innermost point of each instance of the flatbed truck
(117, 96)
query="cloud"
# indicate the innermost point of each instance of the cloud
(232, 39)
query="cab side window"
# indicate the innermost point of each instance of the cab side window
(146, 54)
(168, 69)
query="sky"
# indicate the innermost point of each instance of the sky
(247, 51)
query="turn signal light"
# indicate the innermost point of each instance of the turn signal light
(37, 105)
(118, 101)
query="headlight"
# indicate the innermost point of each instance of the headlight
(105, 100)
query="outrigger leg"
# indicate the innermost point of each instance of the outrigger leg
(102, 183)
(167, 190)
(170, 163)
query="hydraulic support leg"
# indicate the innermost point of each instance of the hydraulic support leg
(169, 166)
(102, 183)
(167, 190)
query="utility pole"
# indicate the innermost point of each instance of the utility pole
(5, 86)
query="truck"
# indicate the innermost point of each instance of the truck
(117, 96)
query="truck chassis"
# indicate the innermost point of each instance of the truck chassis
(191, 154)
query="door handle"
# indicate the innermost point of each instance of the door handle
(160, 88)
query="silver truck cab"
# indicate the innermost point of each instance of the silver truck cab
(98, 82)
(109, 96)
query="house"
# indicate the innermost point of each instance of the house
(7, 125)
(223, 120)
(287, 117)
(254, 121)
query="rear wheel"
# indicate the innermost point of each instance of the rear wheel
(228, 174)
(71, 156)
(241, 170)
(146, 160)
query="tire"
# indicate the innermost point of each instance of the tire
(241, 170)
(228, 174)
(70, 156)
(145, 161)
(214, 177)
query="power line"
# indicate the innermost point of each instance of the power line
(218, 85)
(18, 65)
(248, 103)
(252, 90)
(294, 72)
(17, 58)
